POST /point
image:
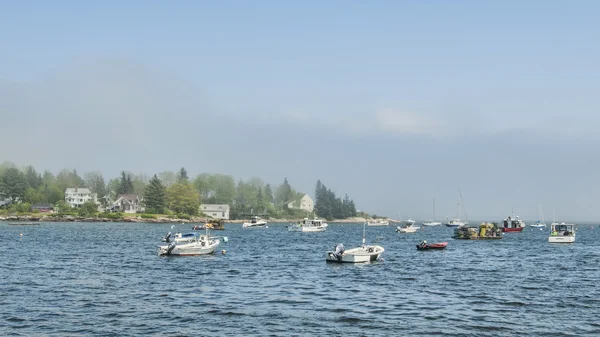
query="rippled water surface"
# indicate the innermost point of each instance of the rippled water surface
(63, 279)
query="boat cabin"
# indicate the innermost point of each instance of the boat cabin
(255, 219)
(562, 229)
(312, 222)
(512, 222)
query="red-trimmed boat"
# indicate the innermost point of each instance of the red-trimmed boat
(512, 224)
(430, 246)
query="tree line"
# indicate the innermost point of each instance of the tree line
(169, 192)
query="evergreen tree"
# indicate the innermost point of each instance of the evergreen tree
(182, 175)
(126, 185)
(13, 184)
(34, 180)
(155, 196)
(268, 195)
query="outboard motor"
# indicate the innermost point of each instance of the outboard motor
(339, 250)
(170, 248)
(166, 238)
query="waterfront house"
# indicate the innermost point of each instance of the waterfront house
(78, 196)
(127, 203)
(42, 207)
(217, 211)
(305, 203)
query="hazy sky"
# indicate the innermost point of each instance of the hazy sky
(392, 102)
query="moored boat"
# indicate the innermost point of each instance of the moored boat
(380, 222)
(562, 233)
(485, 231)
(540, 223)
(512, 224)
(364, 253)
(431, 246)
(308, 225)
(408, 227)
(198, 245)
(212, 225)
(255, 221)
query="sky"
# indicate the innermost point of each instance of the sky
(392, 102)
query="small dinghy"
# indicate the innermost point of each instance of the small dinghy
(431, 246)
(364, 253)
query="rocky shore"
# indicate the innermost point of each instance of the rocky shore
(138, 219)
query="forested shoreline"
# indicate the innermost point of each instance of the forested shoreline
(168, 193)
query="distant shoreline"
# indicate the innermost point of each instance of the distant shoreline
(138, 219)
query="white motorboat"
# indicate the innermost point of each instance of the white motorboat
(364, 253)
(255, 221)
(562, 233)
(432, 222)
(308, 225)
(380, 222)
(409, 227)
(198, 245)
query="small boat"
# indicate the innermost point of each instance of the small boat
(562, 233)
(457, 222)
(432, 222)
(364, 253)
(199, 245)
(539, 223)
(24, 224)
(307, 225)
(485, 231)
(431, 246)
(255, 221)
(513, 224)
(380, 222)
(409, 227)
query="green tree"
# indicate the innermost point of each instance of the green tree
(182, 198)
(182, 175)
(66, 179)
(34, 180)
(126, 184)
(88, 208)
(33, 196)
(95, 182)
(13, 184)
(268, 195)
(155, 196)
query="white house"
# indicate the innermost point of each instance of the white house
(78, 196)
(127, 203)
(217, 211)
(305, 203)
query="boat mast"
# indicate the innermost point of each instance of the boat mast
(364, 233)
(433, 208)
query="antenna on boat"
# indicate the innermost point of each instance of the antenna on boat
(364, 232)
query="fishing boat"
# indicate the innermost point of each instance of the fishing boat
(408, 227)
(562, 233)
(457, 222)
(512, 224)
(364, 253)
(431, 246)
(485, 231)
(540, 223)
(197, 245)
(380, 222)
(255, 221)
(308, 225)
(432, 222)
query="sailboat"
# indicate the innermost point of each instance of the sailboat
(540, 223)
(457, 222)
(432, 222)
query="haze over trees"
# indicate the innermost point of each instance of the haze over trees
(171, 192)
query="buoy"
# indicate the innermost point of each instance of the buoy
(223, 251)
(225, 239)
(21, 234)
